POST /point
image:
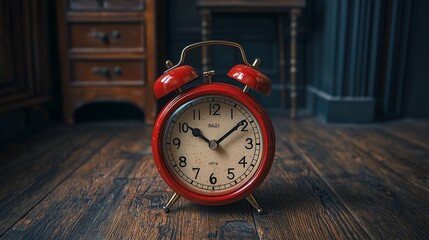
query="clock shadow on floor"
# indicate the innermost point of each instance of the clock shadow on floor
(238, 207)
(230, 221)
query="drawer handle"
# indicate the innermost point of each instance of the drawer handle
(102, 71)
(117, 71)
(100, 36)
(106, 72)
(116, 35)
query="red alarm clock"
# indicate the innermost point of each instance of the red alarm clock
(213, 144)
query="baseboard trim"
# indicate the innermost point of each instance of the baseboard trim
(333, 109)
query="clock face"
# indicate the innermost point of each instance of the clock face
(212, 145)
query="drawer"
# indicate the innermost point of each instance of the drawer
(84, 4)
(123, 4)
(108, 72)
(107, 35)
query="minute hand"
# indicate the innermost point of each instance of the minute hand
(231, 131)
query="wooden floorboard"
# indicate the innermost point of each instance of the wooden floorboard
(383, 201)
(99, 181)
(399, 157)
(299, 203)
(413, 131)
(28, 179)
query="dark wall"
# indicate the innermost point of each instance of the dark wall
(344, 58)
(365, 59)
(25, 66)
(416, 87)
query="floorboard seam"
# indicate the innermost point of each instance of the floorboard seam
(316, 170)
(254, 221)
(407, 139)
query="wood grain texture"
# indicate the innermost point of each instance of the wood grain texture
(400, 158)
(99, 181)
(413, 131)
(31, 177)
(82, 193)
(384, 201)
(299, 203)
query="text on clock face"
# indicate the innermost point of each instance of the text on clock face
(213, 125)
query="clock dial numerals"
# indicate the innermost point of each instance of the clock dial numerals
(249, 143)
(196, 114)
(176, 142)
(214, 109)
(182, 161)
(244, 129)
(231, 174)
(197, 170)
(243, 161)
(213, 179)
(183, 127)
(216, 145)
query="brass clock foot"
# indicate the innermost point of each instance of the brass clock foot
(251, 199)
(170, 202)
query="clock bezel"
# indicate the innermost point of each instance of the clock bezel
(267, 134)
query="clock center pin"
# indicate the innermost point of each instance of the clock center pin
(213, 145)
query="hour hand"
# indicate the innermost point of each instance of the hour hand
(242, 122)
(196, 132)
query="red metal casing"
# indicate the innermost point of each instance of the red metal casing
(261, 117)
(174, 79)
(251, 77)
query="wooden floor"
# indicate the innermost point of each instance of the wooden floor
(98, 181)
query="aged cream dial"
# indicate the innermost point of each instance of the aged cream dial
(212, 145)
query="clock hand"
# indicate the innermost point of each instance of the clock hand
(231, 131)
(196, 132)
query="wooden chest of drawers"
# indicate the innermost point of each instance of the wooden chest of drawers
(108, 52)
